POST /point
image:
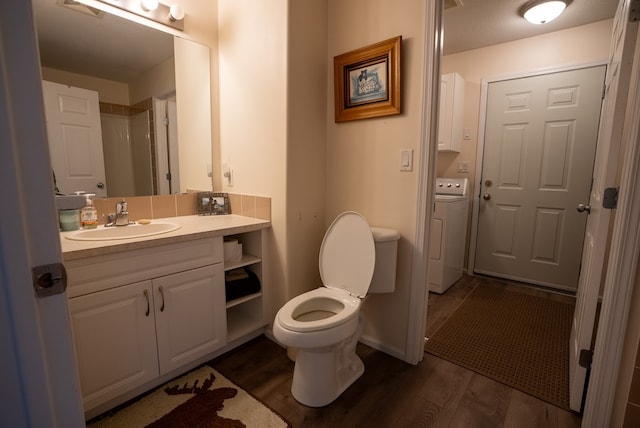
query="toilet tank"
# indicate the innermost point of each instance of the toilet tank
(384, 272)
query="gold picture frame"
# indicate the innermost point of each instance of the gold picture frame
(367, 81)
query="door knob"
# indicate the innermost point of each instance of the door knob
(486, 196)
(100, 185)
(582, 208)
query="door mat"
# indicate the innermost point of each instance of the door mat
(517, 339)
(201, 398)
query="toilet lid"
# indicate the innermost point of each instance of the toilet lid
(348, 255)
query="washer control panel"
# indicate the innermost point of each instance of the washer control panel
(452, 186)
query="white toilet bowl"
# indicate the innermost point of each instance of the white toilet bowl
(324, 324)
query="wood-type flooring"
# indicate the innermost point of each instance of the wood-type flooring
(392, 393)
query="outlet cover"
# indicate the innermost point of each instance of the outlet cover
(463, 167)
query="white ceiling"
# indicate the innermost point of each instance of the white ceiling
(112, 48)
(77, 40)
(480, 23)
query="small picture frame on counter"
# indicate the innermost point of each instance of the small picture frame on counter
(210, 203)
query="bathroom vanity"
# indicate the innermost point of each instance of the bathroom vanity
(145, 310)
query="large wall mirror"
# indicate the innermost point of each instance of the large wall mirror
(128, 107)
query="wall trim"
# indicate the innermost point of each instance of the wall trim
(426, 182)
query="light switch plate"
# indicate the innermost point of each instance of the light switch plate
(406, 160)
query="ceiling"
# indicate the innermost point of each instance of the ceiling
(80, 40)
(112, 48)
(472, 24)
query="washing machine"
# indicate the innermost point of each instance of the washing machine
(448, 233)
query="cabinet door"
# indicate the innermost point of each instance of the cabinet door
(190, 315)
(451, 112)
(114, 337)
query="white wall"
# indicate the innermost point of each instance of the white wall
(306, 135)
(193, 103)
(253, 118)
(109, 91)
(363, 157)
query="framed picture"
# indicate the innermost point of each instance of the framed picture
(210, 203)
(367, 81)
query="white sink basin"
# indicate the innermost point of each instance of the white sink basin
(122, 232)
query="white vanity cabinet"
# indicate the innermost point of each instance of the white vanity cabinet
(138, 315)
(451, 111)
(190, 319)
(115, 341)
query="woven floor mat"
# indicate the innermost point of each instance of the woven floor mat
(516, 339)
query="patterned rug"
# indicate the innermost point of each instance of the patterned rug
(201, 398)
(516, 339)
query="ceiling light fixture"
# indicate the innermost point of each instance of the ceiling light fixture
(543, 11)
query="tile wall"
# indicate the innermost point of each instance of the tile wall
(162, 206)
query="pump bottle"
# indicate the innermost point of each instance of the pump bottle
(89, 213)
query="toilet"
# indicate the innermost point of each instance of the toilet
(324, 324)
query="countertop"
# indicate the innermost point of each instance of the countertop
(191, 227)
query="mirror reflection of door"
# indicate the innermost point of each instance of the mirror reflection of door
(540, 140)
(166, 133)
(75, 138)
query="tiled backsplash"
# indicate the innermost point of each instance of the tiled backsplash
(162, 206)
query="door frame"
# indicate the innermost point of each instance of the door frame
(484, 88)
(621, 277)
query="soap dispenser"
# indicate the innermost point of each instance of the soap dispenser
(89, 214)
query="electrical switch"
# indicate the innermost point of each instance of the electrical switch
(406, 160)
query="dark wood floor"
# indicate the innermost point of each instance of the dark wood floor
(391, 393)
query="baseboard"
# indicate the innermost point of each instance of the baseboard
(375, 344)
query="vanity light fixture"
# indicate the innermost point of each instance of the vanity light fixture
(150, 9)
(543, 11)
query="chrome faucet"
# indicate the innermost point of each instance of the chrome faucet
(122, 215)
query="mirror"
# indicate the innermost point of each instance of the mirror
(139, 83)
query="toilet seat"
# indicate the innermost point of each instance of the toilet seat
(346, 262)
(298, 313)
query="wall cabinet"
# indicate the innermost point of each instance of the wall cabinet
(141, 317)
(451, 112)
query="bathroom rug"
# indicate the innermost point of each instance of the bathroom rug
(201, 398)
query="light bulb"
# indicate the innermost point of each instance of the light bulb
(149, 5)
(176, 12)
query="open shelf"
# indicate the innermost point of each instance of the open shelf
(247, 259)
(241, 300)
(244, 319)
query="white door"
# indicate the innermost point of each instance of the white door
(75, 138)
(606, 165)
(540, 141)
(39, 385)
